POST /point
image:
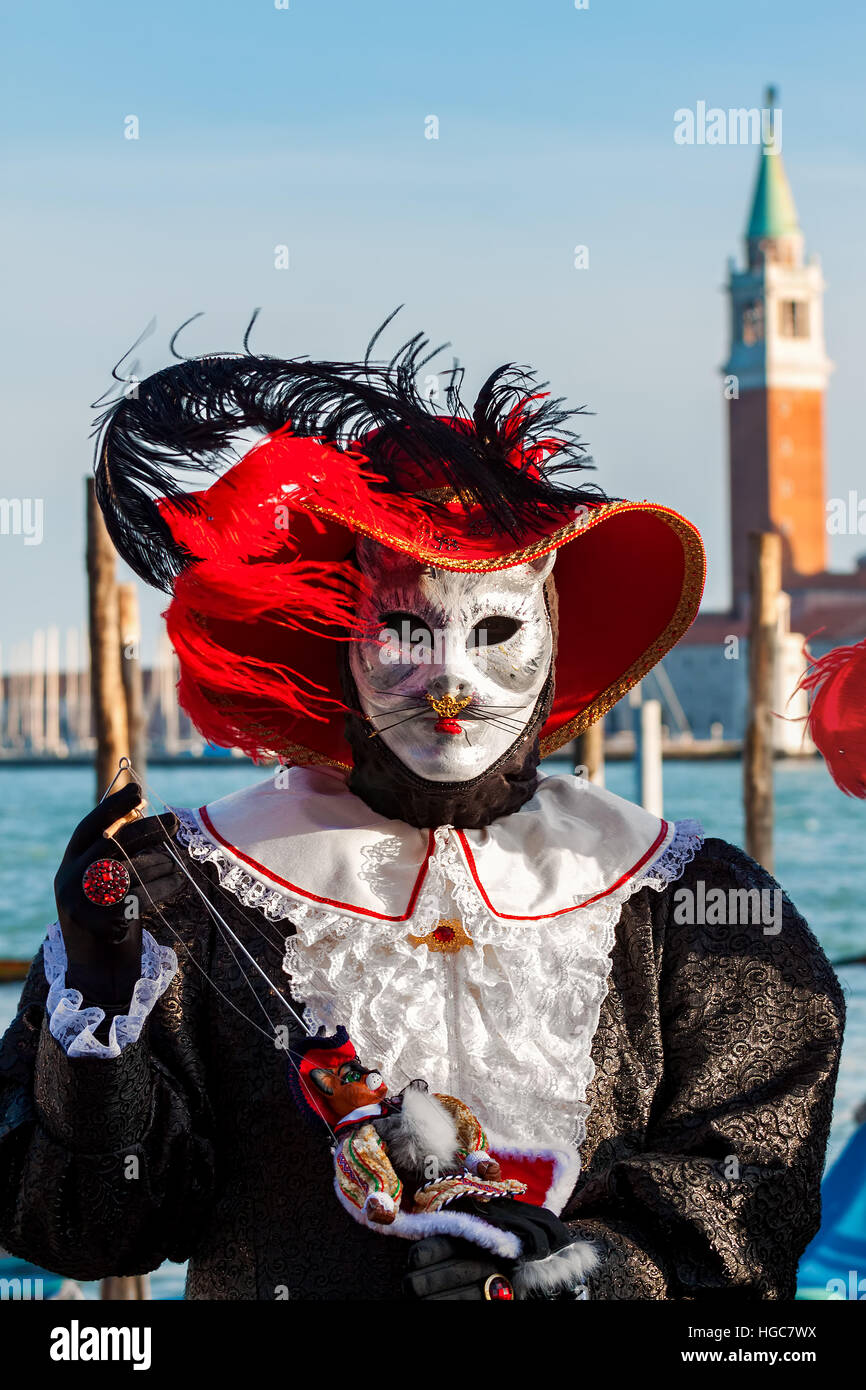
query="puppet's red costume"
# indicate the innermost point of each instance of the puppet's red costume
(521, 942)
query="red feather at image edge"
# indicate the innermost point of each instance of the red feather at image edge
(837, 717)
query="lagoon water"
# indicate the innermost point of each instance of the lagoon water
(820, 861)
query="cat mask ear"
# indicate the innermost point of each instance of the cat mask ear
(543, 566)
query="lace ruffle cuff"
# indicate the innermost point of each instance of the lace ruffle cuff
(688, 839)
(74, 1027)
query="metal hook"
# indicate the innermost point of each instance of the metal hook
(123, 766)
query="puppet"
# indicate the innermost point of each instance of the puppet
(415, 1164)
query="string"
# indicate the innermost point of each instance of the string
(123, 766)
(221, 923)
(218, 919)
(271, 1037)
(196, 963)
(235, 903)
(170, 850)
(126, 765)
(247, 980)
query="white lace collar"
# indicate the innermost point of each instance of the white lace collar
(305, 836)
(478, 960)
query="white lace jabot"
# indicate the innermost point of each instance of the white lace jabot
(477, 959)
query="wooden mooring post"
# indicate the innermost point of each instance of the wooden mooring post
(119, 1287)
(133, 686)
(765, 550)
(589, 753)
(648, 765)
(650, 757)
(106, 679)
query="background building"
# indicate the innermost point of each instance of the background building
(775, 380)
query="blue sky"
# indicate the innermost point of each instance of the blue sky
(305, 127)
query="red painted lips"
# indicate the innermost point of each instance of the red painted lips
(448, 726)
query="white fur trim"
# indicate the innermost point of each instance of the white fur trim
(439, 1223)
(425, 1130)
(564, 1269)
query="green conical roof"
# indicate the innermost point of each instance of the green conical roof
(773, 210)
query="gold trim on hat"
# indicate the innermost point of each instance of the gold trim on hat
(683, 616)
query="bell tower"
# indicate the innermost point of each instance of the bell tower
(778, 371)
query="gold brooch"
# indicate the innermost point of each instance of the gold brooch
(446, 706)
(448, 935)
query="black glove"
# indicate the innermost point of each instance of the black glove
(541, 1235)
(540, 1232)
(103, 944)
(442, 1268)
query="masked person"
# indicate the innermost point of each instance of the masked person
(407, 610)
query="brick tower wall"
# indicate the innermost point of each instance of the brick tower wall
(777, 478)
(796, 466)
(748, 480)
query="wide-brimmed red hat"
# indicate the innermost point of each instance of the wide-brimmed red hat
(261, 563)
(256, 620)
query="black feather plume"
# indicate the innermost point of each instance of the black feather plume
(187, 418)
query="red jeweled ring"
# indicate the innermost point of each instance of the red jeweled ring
(497, 1287)
(105, 882)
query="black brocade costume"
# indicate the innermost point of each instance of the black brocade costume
(713, 1042)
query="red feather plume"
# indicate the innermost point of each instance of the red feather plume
(837, 718)
(243, 603)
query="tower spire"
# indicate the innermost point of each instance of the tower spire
(773, 231)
